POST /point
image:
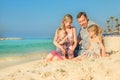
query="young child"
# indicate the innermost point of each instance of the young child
(62, 40)
(96, 48)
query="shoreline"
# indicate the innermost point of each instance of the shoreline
(19, 59)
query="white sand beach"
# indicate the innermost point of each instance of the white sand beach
(112, 43)
(106, 68)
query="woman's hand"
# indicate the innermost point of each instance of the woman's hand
(63, 40)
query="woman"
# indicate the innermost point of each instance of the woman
(71, 40)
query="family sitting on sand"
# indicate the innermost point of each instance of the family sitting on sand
(89, 42)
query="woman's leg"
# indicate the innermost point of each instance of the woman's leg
(58, 57)
(51, 56)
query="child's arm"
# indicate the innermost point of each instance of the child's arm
(102, 47)
(89, 46)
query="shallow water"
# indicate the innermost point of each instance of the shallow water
(26, 46)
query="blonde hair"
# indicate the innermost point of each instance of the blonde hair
(97, 30)
(66, 18)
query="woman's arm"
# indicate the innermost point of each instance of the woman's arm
(63, 40)
(75, 39)
(56, 43)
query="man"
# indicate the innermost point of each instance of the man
(83, 39)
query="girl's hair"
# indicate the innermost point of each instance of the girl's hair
(96, 29)
(66, 18)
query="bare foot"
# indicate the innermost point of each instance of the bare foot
(105, 55)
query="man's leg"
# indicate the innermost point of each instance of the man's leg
(77, 50)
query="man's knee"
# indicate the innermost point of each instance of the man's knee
(77, 49)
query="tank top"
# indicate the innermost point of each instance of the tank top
(70, 37)
(95, 48)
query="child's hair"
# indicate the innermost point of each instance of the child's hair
(66, 18)
(60, 29)
(96, 29)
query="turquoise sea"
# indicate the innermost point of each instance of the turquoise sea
(29, 45)
(25, 46)
(14, 52)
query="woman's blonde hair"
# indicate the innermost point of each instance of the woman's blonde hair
(97, 30)
(60, 29)
(66, 18)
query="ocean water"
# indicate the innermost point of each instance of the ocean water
(25, 46)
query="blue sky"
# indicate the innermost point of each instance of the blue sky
(40, 18)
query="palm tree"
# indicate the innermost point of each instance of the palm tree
(112, 19)
(117, 21)
(108, 26)
(118, 28)
(117, 25)
(105, 31)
